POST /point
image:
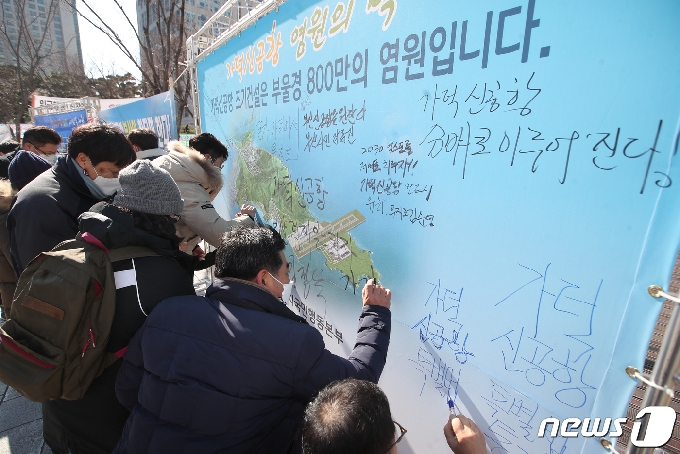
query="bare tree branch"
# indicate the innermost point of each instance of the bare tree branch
(31, 48)
(161, 41)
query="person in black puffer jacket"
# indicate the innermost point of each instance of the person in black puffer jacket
(234, 372)
(46, 210)
(142, 214)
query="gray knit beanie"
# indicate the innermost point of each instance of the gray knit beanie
(146, 188)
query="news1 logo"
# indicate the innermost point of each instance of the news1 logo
(659, 427)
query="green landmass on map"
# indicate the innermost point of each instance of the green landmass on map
(264, 181)
(359, 262)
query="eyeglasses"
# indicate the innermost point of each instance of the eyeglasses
(37, 148)
(399, 433)
(218, 166)
(174, 218)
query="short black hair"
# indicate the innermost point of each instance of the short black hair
(206, 143)
(246, 250)
(146, 139)
(101, 143)
(40, 135)
(8, 146)
(348, 416)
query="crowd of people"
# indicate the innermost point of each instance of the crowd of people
(235, 371)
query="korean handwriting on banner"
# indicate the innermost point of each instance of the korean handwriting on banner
(254, 57)
(466, 142)
(441, 327)
(559, 309)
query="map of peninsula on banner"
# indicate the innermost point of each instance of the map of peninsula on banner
(508, 169)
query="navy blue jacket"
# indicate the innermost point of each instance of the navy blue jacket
(233, 372)
(46, 212)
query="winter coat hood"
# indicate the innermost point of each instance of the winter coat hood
(6, 196)
(151, 153)
(187, 165)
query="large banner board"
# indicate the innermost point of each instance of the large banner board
(63, 123)
(104, 103)
(507, 168)
(157, 113)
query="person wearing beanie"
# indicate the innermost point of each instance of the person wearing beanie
(143, 213)
(147, 188)
(22, 170)
(25, 167)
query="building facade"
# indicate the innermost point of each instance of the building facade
(48, 25)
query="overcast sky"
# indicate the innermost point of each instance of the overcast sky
(98, 50)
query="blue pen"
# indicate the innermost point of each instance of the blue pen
(452, 411)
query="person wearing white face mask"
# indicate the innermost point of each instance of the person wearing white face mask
(46, 210)
(39, 140)
(235, 371)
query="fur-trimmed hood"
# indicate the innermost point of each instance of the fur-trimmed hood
(187, 165)
(6, 196)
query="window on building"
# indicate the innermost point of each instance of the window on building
(31, 5)
(57, 25)
(57, 17)
(57, 32)
(34, 27)
(41, 8)
(34, 14)
(202, 18)
(201, 5)
(42, 2)
(7, 8)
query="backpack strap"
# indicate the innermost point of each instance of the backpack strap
(130, 252)
(116, 255)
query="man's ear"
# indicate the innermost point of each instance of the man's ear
(82, 160)
(260, 277)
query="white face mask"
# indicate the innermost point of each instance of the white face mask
(51, 158)
(286, 287)
(108, 186)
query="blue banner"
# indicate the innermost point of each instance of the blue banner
(63, 123)
(508, 169)
(157, 113)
